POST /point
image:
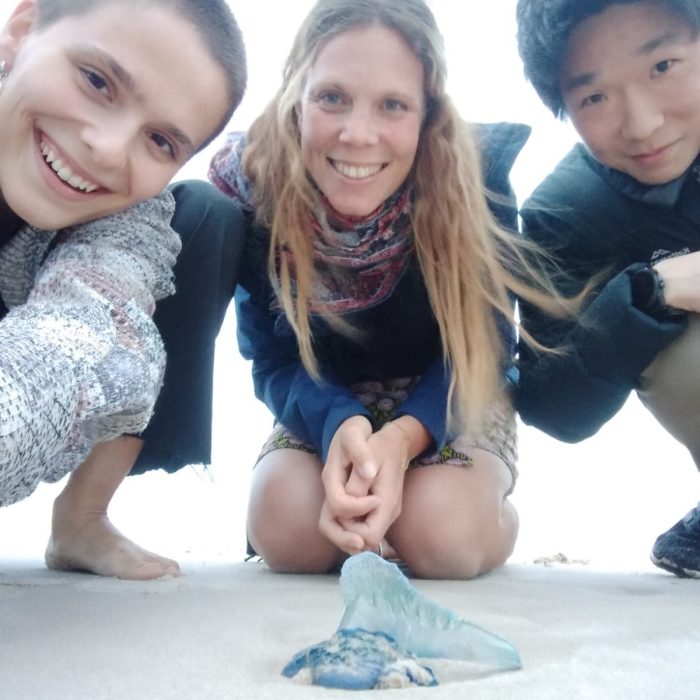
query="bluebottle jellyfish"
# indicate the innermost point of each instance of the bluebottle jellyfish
(386, 626)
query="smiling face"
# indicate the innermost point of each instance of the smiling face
(360, 117)
(631, 87)
(101, 109)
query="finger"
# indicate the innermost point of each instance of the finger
(361, 458)
(345, 540)
(374, 527)
(361, 528)
(348, 504)
(345, 506)
(366, 468)
(357, 485)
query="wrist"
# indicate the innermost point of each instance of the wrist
(416, 436)
(648, 293)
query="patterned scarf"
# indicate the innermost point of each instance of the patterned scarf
(358, 260)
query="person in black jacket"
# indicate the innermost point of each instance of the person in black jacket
(622, 209)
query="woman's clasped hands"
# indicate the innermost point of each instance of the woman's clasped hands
(363, 480)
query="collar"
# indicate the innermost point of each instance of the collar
(666, 195)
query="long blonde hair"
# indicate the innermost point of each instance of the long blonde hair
(465, 257)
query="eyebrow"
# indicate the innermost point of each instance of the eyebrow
(578, 81)
(653, 44)
(645, 49)
(333, 84)
(129, 84)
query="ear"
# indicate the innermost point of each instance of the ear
(20, 24)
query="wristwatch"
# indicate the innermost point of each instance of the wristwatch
(648, 293)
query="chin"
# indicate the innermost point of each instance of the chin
(356, 209)
(53, 221)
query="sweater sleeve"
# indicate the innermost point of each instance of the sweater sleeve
(80, 358)
(600, 355)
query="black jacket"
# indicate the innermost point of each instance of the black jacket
(598, 221)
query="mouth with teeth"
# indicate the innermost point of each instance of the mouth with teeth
(64, 171)
(356, 172)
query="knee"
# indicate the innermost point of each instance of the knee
(453, 543)
(436, 558)
(210, 224)
(282, 526)
(197, 201)
(445, 553)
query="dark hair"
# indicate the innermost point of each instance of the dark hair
(212, 18)
(545, 27)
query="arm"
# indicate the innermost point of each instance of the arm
(327, 415)
(570, 395)
(311, 410)
(427, 404)
(80, 359)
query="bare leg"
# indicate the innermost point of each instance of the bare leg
(283, 511)
(456, 522)
(82, 538)
(670, 385)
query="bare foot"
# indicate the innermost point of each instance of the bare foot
(89, 542)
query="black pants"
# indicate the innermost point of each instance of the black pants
(213, 233)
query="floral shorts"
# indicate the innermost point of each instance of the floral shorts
(497, 435)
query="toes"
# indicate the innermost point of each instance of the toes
(149, 570)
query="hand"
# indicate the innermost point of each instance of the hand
(681, 278)
(347, 477)
(390, 447)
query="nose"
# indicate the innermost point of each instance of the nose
(108, 142)
(641, 116)
(359, 128)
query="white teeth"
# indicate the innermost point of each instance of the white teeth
(356, 172)
(65, 173)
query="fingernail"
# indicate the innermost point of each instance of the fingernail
(369, 470)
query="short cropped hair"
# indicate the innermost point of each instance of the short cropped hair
(213, 20)
(545, 27)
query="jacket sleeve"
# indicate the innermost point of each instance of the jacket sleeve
(80, 359)
(312, 410)
(600, 355)
(428, 402)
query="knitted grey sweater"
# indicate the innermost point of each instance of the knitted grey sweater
(80, 358)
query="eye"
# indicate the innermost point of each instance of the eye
(330, 99)
(163, 144)
(663, 66)
(393, 105)
(594, 99)
(95, 80)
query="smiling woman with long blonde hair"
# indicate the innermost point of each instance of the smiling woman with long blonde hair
(375, 302)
